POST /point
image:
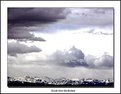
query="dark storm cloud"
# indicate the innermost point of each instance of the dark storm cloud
(16, 15)
(15, 48)
(20, 19)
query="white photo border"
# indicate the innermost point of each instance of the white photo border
(6, 4)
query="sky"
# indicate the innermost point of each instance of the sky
(60, 42)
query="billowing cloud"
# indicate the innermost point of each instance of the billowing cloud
(15, 48)
(70, 58)
(104, 61)
(75, 58)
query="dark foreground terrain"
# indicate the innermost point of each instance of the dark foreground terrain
(60, 83)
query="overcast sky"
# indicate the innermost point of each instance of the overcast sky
(41, 41)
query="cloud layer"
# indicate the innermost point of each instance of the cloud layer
(61, 64)
(59, 18)
(70, 58)
(92, 16)
(19, 33)
(17, 48)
